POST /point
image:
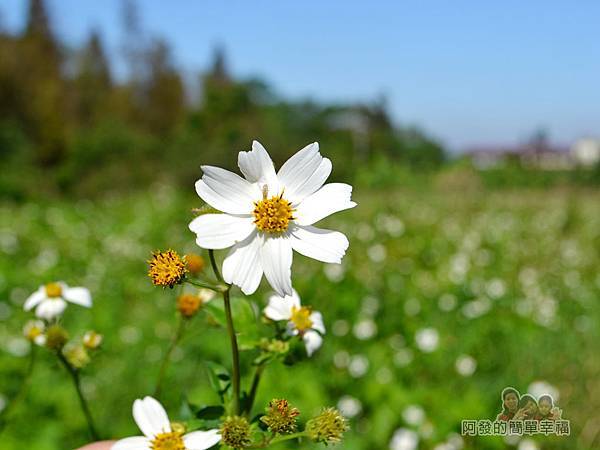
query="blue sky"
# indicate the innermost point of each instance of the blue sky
(469, 72)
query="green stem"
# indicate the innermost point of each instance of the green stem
(84, 406)
(202, 284)
(235, 353)
(255, 382)
(280, 438)
(213, 263)
(5, 416)
(165, 362)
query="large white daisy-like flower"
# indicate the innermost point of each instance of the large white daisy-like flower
(302, 321)
(267, 214)
(50, 300)
(153, 421)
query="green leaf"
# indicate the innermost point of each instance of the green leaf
(219, 378)
(211, 412)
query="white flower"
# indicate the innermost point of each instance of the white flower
(50, 300)
(34, 331)
(301, 320)
(153, 421)
(268, 214)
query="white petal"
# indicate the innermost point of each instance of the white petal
(257, 167)
(78, 295)
(276, 259)
(227, 191)
(324, 245)
(317, 322)
(40, 340)
(280, 308)
(218, 231)
(312, 341)
(132, 443)
(35, 298)
(331, 198)
(201, 440)
(151, 417)
(242, 265)
(50, 308)
(304, 173)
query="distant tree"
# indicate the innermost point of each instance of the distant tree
(92, 82)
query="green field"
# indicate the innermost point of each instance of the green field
(507, 280)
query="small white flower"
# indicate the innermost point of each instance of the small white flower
(153, 421)
(404, 439)
(427, 339)
(301, 320)
(34, 332)
(50, 300)
(266, 215)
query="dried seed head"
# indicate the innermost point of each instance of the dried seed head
(280, 417)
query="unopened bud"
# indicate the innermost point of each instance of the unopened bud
(194, 263)
(56, 337)
(280, 417)
(328, 427)
(235, 432)
(92, 340)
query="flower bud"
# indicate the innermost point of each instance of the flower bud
(194, 263)
(328, 427)
(280, 417)
(92, 340)
(56, 337)
(76, 355)
(235, 432)
(188, 305)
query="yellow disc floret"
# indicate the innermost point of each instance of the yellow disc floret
(301, 318)
(53, 290)
(166, 268)
(273, 214)
(168, 441)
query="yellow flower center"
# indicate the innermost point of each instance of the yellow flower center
(273, 214)
(301, 318)
(168, 441)
(166, 268)
(53, 290)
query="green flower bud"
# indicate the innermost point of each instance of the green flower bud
(328, 427)
(56, 337)
(280, 417)
(235, 432)
(76, 355)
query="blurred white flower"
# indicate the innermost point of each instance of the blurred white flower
(130, 334)
(349, 406)
(302, 321)
(34, 331)
(341, 359)
(370, 305)
(266, 215)
(377, 253)
(412, 307)
(413, 415)
(404, 439)
(152, 419)
(340, 327)
(427, 339)
(403, 357)
(447, 302)
(365, 329)
(496, 288)
(365, 232)
(334, 272)
(358, 366)
(465, 365)
(541, 387)
(528, 444)
(51, 299)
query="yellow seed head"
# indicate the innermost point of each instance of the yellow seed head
(280, 417)
(56, 337)
(235, 432)
(166, 269)
(272, 215)
(328, 427)
(194, 263)
(77, 355)
(188, 305)
(301, 318)
(53, 290)
(168, 441)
